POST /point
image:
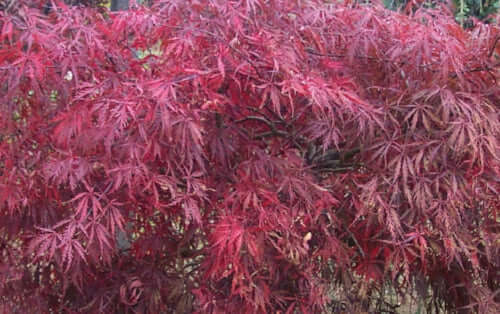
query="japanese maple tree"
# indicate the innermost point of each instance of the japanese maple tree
(251, 156)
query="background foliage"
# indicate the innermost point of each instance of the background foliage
(465, 11)
(247, 157)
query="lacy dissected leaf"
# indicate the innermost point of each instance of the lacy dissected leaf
(246, 157)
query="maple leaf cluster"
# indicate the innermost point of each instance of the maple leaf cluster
(246, 157)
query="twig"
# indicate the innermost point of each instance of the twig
(494, 46)
(337, 169)
(261, 119)
(274, 130)
(271, 133)
(356, 242)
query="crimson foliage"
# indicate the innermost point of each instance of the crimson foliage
(246, 157)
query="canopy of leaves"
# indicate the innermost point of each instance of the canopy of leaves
(246, 157)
